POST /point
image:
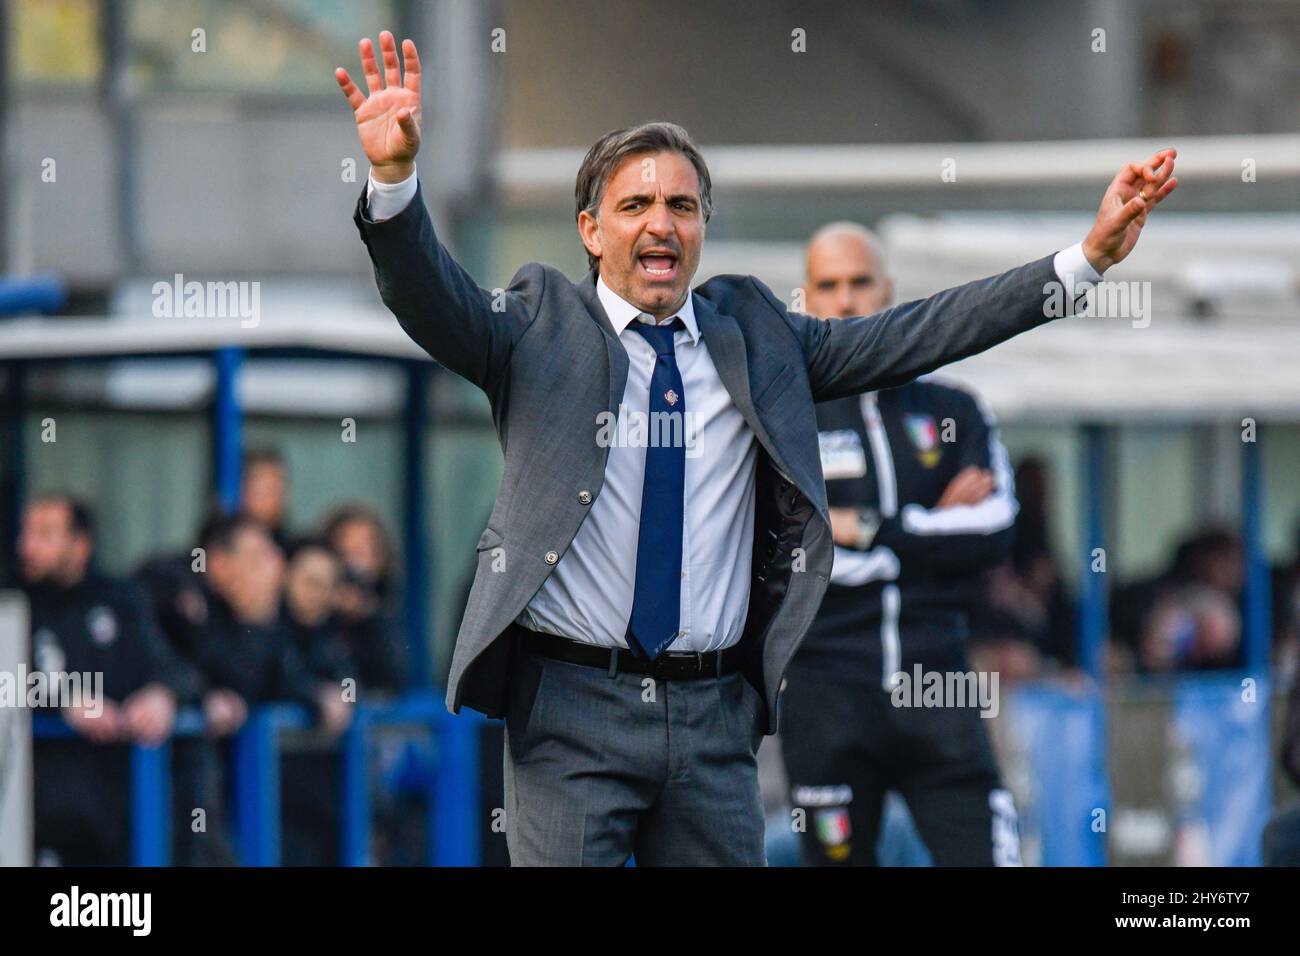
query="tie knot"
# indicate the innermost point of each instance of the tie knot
(660, 337)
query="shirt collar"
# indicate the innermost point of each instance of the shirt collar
(623, 313)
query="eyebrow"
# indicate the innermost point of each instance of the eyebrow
(860, 277)
(649, 197)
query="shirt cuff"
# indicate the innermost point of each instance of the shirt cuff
(386, 200)
(1075, 273)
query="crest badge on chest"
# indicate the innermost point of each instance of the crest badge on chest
(924, 433)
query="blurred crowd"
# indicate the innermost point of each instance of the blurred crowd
(252, 614)
(1186, 617)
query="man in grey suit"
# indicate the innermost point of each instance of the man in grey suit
(660, 540)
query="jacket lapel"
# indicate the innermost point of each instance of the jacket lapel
(617, 355)
(721, 333)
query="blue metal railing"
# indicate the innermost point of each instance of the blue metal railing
(452, 796)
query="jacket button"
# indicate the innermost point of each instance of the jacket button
(552, 557)
(584, 497)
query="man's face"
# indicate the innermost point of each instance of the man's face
(649, 231)
(309, 585)
(48, 550)
(250, 575)
(846, 278)
(263, 493)
(359, 545)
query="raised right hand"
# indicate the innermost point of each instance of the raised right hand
(388, 120)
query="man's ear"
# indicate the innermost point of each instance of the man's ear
(589, 232)
(889, 291)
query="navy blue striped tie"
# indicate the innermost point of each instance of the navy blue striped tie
(656, 604)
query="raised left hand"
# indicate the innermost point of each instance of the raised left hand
(1133, 193)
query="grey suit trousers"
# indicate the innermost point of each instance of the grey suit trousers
(600, 768)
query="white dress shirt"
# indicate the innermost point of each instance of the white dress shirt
(588, 595)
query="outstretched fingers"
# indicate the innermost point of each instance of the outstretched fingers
(412, 63)
(388, 49)
(369, 66)
(354, 96)
(393, 68)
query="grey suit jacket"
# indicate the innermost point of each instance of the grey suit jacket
(548, 358)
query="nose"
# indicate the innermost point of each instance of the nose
(659, 223)
(846, 303)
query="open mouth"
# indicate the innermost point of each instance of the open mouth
(658, 263)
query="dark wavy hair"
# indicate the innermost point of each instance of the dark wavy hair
(608, 153)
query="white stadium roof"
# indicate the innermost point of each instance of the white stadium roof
(374, 336)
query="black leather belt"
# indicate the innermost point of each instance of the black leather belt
(673, 665)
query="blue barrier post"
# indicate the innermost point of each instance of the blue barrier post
(227, 427)
(1063, 736)
(150, 783)
(355, 809)
(1092, 585)
(257, 790)
(20, 295)
(151, 805)
(1258, 611)
(455, 800)
(453, 813)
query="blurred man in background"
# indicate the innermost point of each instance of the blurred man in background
(248, 657)
(264, 491)
(367, 598)
(175, 584)
(921, 499)
(1187, 617)
(242, 650)
(310, 773)
(313, 575)
(84, 623)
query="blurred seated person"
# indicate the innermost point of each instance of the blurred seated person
(242, 649)
(368, 603)
(1187, 617)
(264, 491)
(176, 587)
(312, 579)
(311, 778)
(83, 623)
(177, 593)
(1192, 627)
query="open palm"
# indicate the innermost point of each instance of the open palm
(388, 120)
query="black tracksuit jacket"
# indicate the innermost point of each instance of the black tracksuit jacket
(904, 599)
